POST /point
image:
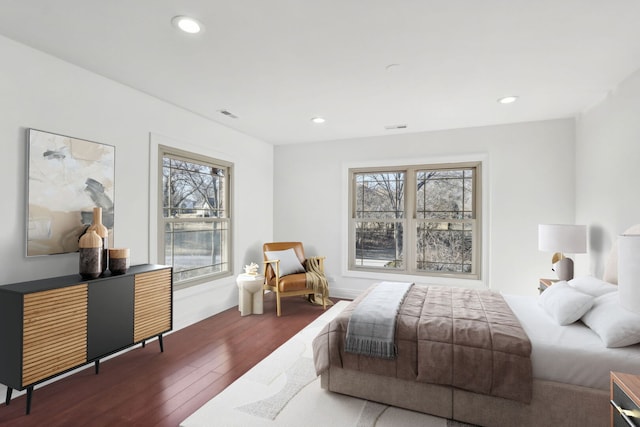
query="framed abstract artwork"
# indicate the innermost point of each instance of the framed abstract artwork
(67, 178)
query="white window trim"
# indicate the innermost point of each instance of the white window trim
(482, 282)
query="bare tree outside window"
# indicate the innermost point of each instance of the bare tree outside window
(445, 211)
(379, 207)
(195, 216)
(436, 220)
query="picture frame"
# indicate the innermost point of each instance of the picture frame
(66, 178)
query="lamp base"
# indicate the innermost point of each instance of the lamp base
(564, 269)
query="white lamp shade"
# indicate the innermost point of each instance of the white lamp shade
(629, 271)
(563, 238)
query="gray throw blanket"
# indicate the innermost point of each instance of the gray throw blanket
(372, 326)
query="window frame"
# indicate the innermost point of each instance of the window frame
(410, 220)
(166, 151)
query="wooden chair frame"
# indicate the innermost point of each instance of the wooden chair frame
(275, 287)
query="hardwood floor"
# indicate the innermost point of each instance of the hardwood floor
(145, 387)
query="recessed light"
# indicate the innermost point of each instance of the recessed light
(318, 120)
(187, 24)
(508, 99)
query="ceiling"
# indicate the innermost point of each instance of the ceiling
(363, 65)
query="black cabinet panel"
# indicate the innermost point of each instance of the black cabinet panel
(110, 320)
(10, 339)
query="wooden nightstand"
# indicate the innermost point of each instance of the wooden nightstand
(625, 399)
(545, 283)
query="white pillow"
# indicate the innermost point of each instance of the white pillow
(616, 326)
(289, 262)
(592, 285)
(564, 303)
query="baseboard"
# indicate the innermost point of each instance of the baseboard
(344, 293)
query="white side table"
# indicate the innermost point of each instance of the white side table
(250, 293)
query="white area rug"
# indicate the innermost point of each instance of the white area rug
(283, 390)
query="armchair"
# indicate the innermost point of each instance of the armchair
(285, 276)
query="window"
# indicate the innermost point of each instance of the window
(421, 219)
(195, 221)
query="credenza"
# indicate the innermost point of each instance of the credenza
(51, 326)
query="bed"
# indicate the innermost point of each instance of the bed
(570, 368)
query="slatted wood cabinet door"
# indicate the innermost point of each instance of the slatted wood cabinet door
(52, 325)
(152, 304)
(55, 332)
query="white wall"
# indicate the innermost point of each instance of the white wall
(530, 170)
(607, 177)
(42, 92)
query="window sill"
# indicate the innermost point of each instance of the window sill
(199, 281)
(442, 280)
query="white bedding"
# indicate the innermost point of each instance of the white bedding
(572, 354)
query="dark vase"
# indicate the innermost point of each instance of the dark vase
(103, 233)
(118, 260)
(90, 248)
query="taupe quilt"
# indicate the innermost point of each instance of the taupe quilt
(465, 338)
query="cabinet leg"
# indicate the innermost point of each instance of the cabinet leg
(161, 343)
(143, 343)
(97, 366)
(29, 394)
(8, 398)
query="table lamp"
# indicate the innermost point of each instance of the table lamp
(561, 239)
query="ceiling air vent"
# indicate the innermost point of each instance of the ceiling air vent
(392, 127)
(228, 114)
